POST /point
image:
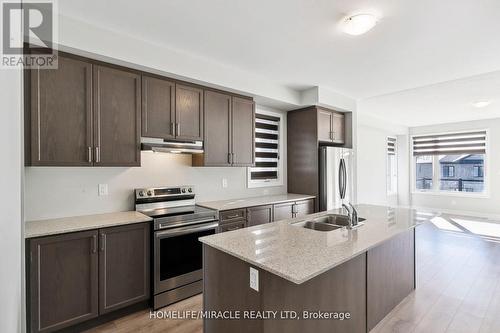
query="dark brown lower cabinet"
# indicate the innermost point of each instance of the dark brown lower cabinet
(123, 266)
(79, 276)
(390, 275)
(283, 211)
(63, 272)
(259, 215)
(303, 208)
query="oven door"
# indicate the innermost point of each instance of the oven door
(178, 255)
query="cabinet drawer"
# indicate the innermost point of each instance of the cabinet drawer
(232, 215)
(232, 226)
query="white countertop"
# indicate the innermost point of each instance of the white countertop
(79, 223)
(254, 201)
(298, 254)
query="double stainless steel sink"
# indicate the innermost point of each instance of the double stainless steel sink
(327, 222)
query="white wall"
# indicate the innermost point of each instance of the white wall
(70, 191)
(479, 206)
(11, 248)
(372, 133)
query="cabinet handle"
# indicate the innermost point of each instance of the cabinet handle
(178, 131)
(233, 228)
(97, 154)
(232, 216)
(229, 158)
(103, 242)
(172, 125)
(90, 154)
(94, 244)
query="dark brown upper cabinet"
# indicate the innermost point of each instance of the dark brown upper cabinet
(229, 131)
(63, 280)
(124, 259)
(61, 114)
(117, 112)
(82, 114)
(307, 129)
(188, 112)
(330, 126)
(158, 108)
(217, 140)
(243, 132)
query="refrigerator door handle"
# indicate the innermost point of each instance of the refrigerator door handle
(344, 178)
(341, 179)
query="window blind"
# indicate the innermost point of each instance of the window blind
(450, 144)
(266, 148)
(391, 146)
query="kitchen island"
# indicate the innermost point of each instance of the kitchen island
(307, 280)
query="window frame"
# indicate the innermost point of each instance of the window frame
(387, 176)
(436, 168)
(254, 183)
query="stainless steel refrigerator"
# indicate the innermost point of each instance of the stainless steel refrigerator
(335, 177)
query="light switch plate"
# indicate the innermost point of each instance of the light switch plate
(103, 189)
(224, 182)
(254, 279)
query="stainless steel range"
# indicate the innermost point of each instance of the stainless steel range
(177, 253)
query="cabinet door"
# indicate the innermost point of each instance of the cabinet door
(61, 113)
(304, 207)
(188, 112)
(217, 129)
(243, 132)
(338, 126)
(232, 226)
(259, 215)
(283, 211)
(324, 125)
(117, 112)
(158, 106)
(124, 258)
(63, 280)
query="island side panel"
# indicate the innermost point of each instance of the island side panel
(341, 289)
(390, 275)
(226, 282)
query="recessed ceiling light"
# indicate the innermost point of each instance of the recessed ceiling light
(358, 24)
(481, 104)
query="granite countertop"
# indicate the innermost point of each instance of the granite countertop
(254, 201)
(79, 223)
(298, 254)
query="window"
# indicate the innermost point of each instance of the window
(478, 171)
(451, 162)
(392, 166)
(448, 171)
(268, 170)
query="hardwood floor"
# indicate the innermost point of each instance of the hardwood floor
(458, 286)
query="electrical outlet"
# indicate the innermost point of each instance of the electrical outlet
(103, 189)
(224, 182)
(254, 279)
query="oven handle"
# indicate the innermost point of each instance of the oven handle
(185, 230)
(171, 226)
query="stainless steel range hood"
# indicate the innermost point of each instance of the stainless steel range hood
(170, 146)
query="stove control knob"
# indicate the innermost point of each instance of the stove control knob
(141, 193)
(183, 190)
(150, 193)
(190, 190)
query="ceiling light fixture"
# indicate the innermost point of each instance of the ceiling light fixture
(358, 24)
(481, 104)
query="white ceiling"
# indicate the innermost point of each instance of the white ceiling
(297, 42)
(440, 103)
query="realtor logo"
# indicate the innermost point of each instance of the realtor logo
(28, 34)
